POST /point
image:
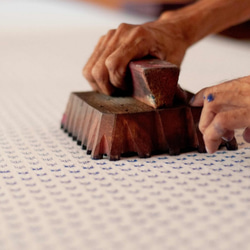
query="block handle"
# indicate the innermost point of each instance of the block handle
(154, 82)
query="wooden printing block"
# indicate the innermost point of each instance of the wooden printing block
(154, 82)
(116, 126)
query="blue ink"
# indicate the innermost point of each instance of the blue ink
(202, 159)
(126, 169)
(228, 165)
(197, 168)
(215, 180)
(119, 165)
(74, 171)
(217, 169)
(69, 166)
(145, 170)
(177, 167)
(56, 170)
(133, 160)
(79, 177)
(60, 176)
(139, 166)
(210, 97)
(239, 161)
(101, 163)
(5, 172)
(206, 174)
(108, 168)
(153, 176)
(91, 167)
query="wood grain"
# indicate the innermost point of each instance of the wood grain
(112, 127)
(154, 82)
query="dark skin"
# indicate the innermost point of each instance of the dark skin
(168, 38)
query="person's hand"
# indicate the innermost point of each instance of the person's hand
(226, 107)
(106, 68)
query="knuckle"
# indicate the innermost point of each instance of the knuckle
(98, 75)
(220, 121)
(124, 27)
(206, 138)
(110, 33)
(110, 64)
(139, 31)
(86, 72)
(220, 125)
(115, 72)
(101, 39)
(142, 39)
(202, 128)
(210, 106)
(114, 67)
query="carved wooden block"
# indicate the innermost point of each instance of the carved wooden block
(154, 82)
(116, 126)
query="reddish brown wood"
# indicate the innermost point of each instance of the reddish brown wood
(154, 82)
(114, 126)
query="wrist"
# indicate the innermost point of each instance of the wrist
(182, 23)
(204, 17)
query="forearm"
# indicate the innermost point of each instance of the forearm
(208, 16)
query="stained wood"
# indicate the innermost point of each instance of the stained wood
(116, 126)
(154, 82)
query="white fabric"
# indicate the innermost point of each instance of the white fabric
(53, 196)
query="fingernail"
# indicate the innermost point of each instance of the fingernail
(209, 151)
(227, 139)
(191, 100)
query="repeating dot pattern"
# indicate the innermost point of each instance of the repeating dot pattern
(53, 196)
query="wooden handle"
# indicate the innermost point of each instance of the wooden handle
(154, 82)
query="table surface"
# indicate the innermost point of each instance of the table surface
(53, 196)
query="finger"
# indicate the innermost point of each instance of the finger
(229, 92)
(94, 86)
(207, 116)
(246, 135)
(117, 63)
(216, 102)
(95, 70)
(137, 45)
(197, 100)
(222, 124)
(239, 86)
(99, 48)
(101, 70)
(101, 75)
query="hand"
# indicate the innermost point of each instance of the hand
(226, 107)
(106, 68)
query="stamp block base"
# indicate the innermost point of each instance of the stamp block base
(112, 127)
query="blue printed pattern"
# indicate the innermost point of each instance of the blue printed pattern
(53, 196)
